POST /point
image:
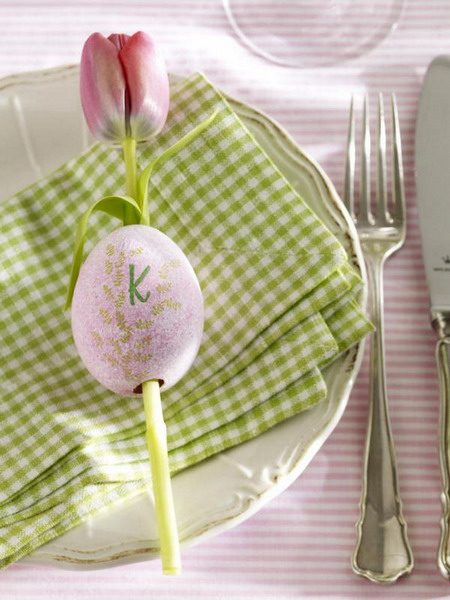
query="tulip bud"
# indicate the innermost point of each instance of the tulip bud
(124, 87)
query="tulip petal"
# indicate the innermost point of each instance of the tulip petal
(147, 85)
(118, 39)
(102, 88)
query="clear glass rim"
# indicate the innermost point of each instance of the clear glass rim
(308, 64)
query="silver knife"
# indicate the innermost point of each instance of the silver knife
(433, 199)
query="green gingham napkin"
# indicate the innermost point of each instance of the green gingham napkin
(281, 302)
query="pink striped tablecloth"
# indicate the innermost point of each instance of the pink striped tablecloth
(298, 546)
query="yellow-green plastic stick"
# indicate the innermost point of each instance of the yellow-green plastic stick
(156, 436)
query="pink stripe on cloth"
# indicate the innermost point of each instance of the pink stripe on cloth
(299, 545)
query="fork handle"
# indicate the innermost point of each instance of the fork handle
(441, 324)
(382, 552)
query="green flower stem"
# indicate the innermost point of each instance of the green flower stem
(129, 155)
(156, 437)
(142, 191)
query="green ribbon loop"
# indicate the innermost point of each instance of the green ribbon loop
(115, 206)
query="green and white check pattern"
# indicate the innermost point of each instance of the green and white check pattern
(281, 302)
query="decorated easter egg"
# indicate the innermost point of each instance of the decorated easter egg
(137, 310)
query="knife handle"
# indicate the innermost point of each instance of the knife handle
(441, 324)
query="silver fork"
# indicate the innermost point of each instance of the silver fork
(382, 552)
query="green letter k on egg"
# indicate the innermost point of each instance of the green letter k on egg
(132, 288)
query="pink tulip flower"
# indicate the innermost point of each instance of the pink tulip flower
(124, 87)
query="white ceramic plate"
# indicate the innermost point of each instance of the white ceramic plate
(41, 127)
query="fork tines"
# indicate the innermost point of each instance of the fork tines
(384, 212)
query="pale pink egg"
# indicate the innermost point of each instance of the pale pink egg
(137, 310)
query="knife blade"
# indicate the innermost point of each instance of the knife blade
(433, 201)
(433, 179)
